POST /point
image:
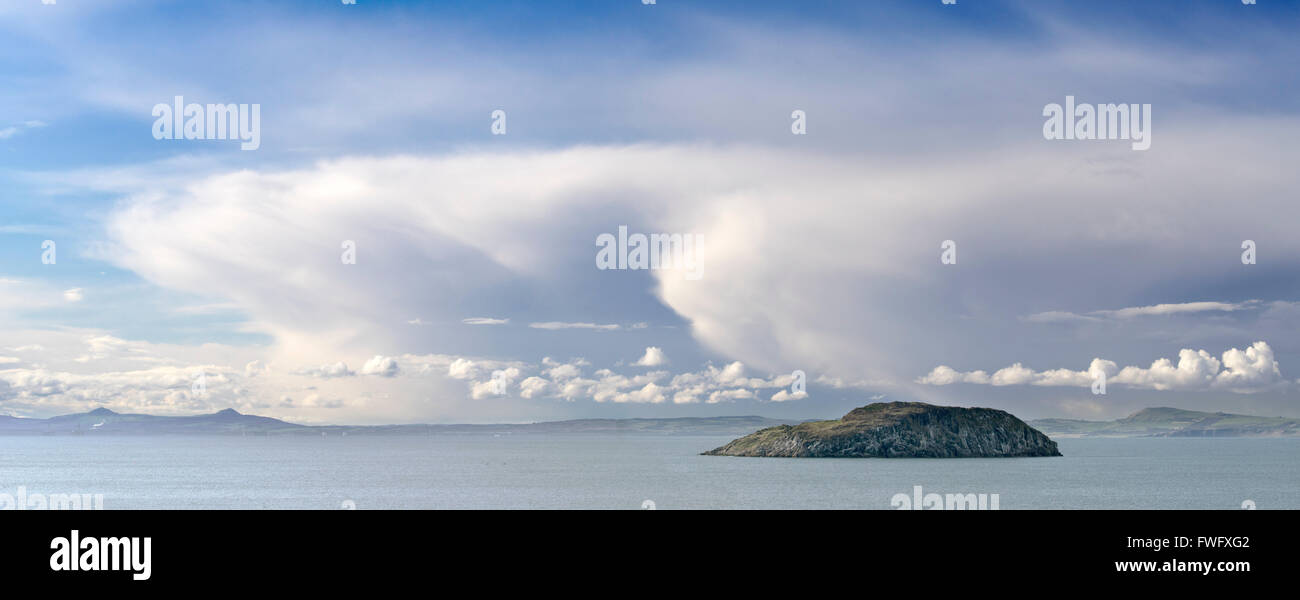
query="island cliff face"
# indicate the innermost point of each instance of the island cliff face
(896, 430)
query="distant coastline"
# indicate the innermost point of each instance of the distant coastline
(1149, 422)
(1172, 422)
(103, 421)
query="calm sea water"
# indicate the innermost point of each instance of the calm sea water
(623, 471)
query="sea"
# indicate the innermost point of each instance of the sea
(625, 472)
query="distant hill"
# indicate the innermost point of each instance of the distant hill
(103, 421)
(1165, 422)
(899, 430)
(1173, 422)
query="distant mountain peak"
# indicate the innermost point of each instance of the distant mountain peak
(101, 411)
(228, 412)
(1163, 413)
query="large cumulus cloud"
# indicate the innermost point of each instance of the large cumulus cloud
(814, 262)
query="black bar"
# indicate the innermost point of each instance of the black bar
(322, 549)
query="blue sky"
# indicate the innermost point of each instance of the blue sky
(186, 257)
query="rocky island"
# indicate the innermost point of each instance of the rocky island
(898, 430)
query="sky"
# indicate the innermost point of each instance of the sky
(395, 250)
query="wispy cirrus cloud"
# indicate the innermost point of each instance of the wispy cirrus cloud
(1181, 308)
(484, 321)
(8, 132)
(554, 325)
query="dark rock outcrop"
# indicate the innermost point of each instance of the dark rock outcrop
(897, 430)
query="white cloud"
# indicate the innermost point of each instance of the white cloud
(786, 396)
(533, 387)
(498, 385)
(565, 371)
(562, 325)
(8, 132)
(649, 393)
(730, 395)
(383, 366)
(338, 369)
(945, 375)
(1015, 374)
(552, 379)
(731, 372)
(160, 390)
(1182, 308)
(461, 369)
(1241, 371)
(334, 391)
(103, 346)
(254, 368)
(73, 295)
(1250, 368)
(484, 321)
(317, 401)
(653, 357)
